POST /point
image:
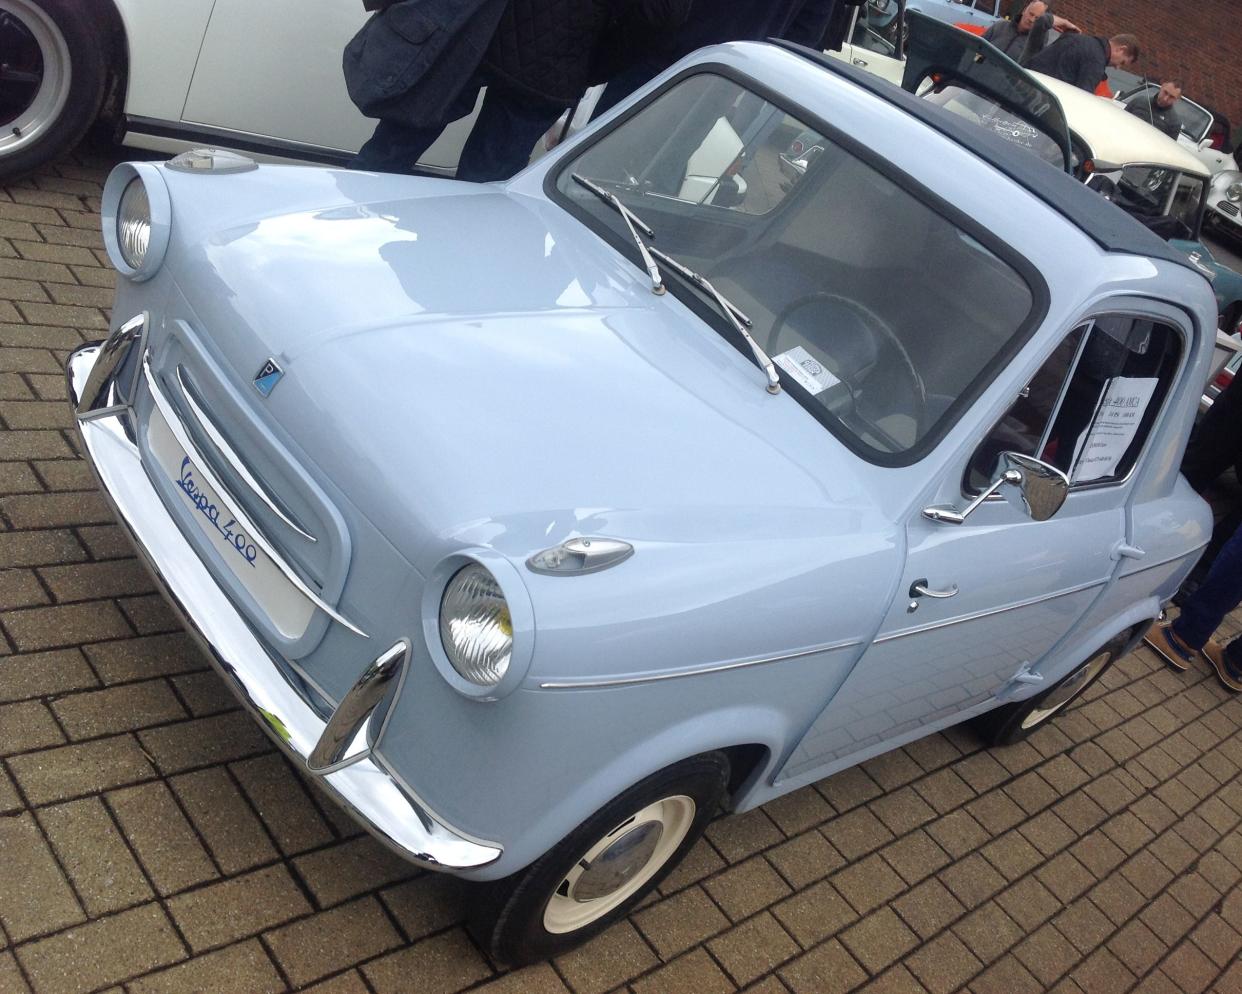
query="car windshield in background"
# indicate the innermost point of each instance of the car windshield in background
(989, 114)
(946, 56)
(1194, 120)
(1159, 196)
(809, 241)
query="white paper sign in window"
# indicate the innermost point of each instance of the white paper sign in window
(812, 374)
(1100, 448)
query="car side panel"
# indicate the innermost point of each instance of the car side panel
(163, 40)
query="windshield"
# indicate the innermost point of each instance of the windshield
(1192, 118)
(987, 113)
(1162, 197)
(810, 242)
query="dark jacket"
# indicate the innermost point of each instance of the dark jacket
(1165, 119)
(410, 62)
(1020, 47)
(551, 49)
(1078, 59)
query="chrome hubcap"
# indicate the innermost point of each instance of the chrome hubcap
(34, 73)
(618, 865)
(1069, 689)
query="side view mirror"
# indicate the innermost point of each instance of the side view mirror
(1036, 487)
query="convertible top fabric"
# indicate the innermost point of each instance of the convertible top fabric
(1109, 226)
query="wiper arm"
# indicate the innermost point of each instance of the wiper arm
(736, 316)
(633, 222)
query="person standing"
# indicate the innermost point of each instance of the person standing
(1190, 635)
(539, 57)
(1025, 36)
(1082, 60)
(1160, 109)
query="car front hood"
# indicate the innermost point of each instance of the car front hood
(475, 367)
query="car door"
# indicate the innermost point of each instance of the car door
(872, 40)
(981, 603)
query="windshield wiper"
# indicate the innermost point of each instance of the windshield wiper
(632, 221)
(735, 315)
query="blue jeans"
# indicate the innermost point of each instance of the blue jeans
(1221, 592)
(499, 145)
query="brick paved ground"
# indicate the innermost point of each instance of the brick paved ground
(152, 841)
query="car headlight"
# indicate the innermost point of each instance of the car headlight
(476, 628)
(133, 223)
(137, 219)
(1234, 193)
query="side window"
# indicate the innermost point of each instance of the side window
(1091, 405)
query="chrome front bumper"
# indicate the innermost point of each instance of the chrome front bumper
(362, 785)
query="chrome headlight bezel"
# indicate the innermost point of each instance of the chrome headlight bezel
(160, 218)
(521, 615)
(1233, 193)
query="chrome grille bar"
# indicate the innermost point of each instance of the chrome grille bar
(234, 506)
(233, 459)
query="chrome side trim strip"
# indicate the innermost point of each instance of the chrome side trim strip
(988, 613)
(373, 793)
(234, 460)
(261, 540)
(344, 737)
(698, 671)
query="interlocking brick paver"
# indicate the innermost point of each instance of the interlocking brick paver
(246, 905)
(928, 908)
(70, 624)
(944, 964)
(879, 940)
(244, 968)
(137, 658)
(94, 854)
(340, 872)
(34, 896)
(219, 812)
(694, 973)
(117, 709)
(802, 860)
(332, 940)
(86, 768)
(675, 924)
(610, 959)
(746, 888)
(753, 949)
(827, 969)
(166, 844)
(203, 741)
(815, 913)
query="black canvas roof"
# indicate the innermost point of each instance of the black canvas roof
(1108, 225)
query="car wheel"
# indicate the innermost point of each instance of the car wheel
(603, 868)
(1012, 723)
(53, 76)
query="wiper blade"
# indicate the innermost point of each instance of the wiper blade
(736, 316)
(633, 222)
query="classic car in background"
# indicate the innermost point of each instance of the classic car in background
(535, 543)
(1205, 132)
(1140, 169)
(1225, 203)
(178, 73)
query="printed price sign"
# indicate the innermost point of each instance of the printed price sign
(1123, 401)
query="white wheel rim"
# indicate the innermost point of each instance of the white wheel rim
(1070, 689)
(606, 875)
(53, 88)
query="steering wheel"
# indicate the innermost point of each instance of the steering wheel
(856, 336)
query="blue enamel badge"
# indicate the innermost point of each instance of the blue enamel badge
(267, 377)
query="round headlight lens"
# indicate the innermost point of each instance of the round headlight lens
(1234, 192)
(133, 223)
(475, 627)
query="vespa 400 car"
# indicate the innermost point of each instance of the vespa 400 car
(537, 521)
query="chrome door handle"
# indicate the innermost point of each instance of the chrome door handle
(919, 588)
(860, 62)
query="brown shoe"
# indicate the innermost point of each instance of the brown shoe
(1229, 675)
(1170, 648)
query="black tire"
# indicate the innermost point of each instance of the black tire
(1011, 723)
(56, 74)
(511, 918)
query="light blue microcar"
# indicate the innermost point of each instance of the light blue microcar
(539, 520)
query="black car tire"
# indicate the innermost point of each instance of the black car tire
(53, 81)
(1011, 723)
(556, 904)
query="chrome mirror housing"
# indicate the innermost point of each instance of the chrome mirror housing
(1036, 487)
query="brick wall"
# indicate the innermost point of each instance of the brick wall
(1198, 40)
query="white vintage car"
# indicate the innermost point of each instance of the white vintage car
(1204, 132)
(1224, 203)
(261, 77)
